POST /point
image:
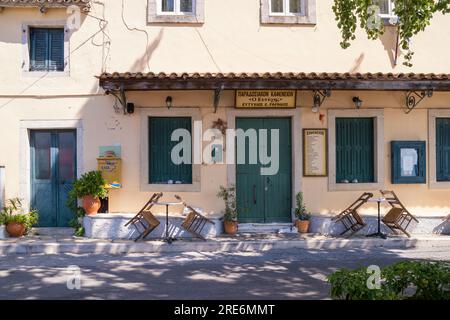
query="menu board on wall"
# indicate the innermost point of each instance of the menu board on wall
(315, 148)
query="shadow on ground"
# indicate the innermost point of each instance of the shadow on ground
(287, 274)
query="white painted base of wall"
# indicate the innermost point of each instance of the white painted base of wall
(112, 226)
(3, 234)
(427, 225)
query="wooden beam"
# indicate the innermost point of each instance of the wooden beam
(235, 84)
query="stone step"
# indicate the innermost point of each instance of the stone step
(53, 231)
(266, 228)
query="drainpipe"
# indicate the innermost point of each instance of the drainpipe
(2, 186)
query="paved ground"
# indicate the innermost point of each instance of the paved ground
(276, 274)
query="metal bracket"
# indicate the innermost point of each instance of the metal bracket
(217, 96)
(413, 98)
(319, 96)
(121, 97)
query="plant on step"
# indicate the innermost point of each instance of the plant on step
(230, 222)
(411, 280)
(90, 188)
(18, 221)
(91, 184)
(300, 212)
(228, 195)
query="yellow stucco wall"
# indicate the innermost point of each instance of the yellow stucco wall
(231, 39)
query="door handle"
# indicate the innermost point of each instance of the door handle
(254, 194)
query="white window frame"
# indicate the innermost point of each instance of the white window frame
(391, 13)
(26, 42)
(176, 11)
(286, 9)
(379, 160)
(145, 185)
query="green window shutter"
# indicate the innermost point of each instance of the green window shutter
(46, 49)
(354, 150)
(161, 167)
(38, 49)
(56, 49)
(443, 149)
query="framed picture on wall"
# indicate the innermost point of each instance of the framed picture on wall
(315, 152)
(408, 162)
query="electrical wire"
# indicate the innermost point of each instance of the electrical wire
(137, 29)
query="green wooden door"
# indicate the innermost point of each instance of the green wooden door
(265, 198)
(53, 170)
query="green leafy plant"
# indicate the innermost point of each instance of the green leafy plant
(90, 184)
(14, 212)
(421, 280)
(300, 212)
(229, 197)
(413, 16)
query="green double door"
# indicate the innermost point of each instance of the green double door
(265, 198)
(53, 171)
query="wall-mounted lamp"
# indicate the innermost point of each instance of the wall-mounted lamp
(43, 9)
(358, 102)
(319, 97)
(169, 102)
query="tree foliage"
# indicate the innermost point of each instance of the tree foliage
(413, 16)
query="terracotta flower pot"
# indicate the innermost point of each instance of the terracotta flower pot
(91, 205)
(303, 226)
(230, 227)
(15, 229)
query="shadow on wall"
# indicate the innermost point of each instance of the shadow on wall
(389, 41)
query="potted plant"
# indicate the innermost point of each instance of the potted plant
(303, 217)
(18, 222)
(90, 188)
(230, 222)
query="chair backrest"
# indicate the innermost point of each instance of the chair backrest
(392, 199)
(150, 203)
(360, 201)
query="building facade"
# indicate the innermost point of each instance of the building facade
(126, 73)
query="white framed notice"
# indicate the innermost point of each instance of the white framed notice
(315, 149)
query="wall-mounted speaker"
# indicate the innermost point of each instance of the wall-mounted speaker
(130, 108)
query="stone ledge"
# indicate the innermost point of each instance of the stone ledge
(112, 226)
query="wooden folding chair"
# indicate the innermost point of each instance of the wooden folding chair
(194, 222)
(398, 218)
(144, 221)
(350, 217)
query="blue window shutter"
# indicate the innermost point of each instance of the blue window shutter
(38, 49)
(443, 149)
(56, 49)
(354, 150)
(161, 167)
(46, 49)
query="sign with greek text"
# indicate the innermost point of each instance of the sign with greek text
(254, 99)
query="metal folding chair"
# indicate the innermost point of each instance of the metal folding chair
(350, 217)
(398, 218)
(194, 223)
(144, 221)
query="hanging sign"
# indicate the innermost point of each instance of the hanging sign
(266, 99)
(315, 153)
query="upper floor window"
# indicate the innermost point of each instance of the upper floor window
(176, 11)
(287, 7)
(386, 8)
(176, 7)
(46, 49)
(288, 11)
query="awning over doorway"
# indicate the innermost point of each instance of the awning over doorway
(299, 81)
